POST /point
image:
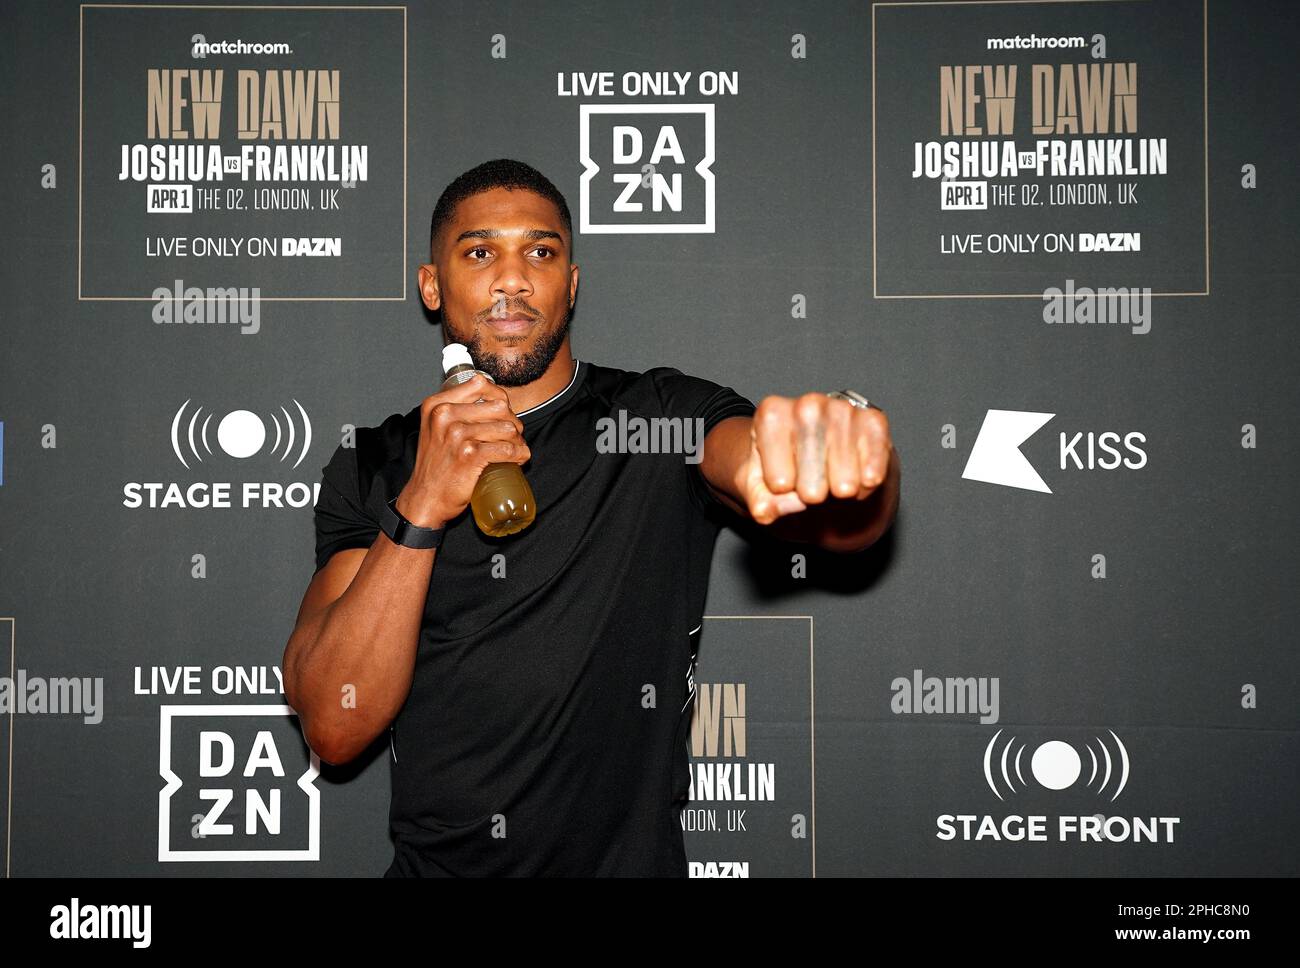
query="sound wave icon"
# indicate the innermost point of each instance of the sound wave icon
(240, 433)
(1056, 765)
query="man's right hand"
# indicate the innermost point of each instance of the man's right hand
(458, 438)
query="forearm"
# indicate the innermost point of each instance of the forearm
(348, 668)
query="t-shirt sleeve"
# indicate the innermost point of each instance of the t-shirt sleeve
(342, 520)
(691, 396)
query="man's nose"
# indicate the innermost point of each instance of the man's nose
(512, 276)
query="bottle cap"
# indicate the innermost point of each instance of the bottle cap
(454, 354)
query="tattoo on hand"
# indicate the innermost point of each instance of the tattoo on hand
(812, 454)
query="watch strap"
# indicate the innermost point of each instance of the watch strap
(402, 532)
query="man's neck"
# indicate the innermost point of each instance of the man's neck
(557, 376)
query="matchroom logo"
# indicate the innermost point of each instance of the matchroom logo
(232, 169)
(647, 168)
(231, 795)
(1058, 766)
(997, 169)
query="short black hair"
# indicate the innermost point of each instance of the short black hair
(498, 173)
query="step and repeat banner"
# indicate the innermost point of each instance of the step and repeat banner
(1053, 240)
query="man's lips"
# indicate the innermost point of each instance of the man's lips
(511, 324)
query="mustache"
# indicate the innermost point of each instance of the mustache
(502, 309)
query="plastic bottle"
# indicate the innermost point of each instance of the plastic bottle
(502, 502)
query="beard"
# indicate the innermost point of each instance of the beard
(514, 371)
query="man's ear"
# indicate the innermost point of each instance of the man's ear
(429, 291)
(573, 284)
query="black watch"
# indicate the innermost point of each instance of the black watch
(404, 533)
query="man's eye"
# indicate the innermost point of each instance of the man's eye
(477, 248)
(543, 248)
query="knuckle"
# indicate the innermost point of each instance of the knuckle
(769, 413)
(809, 405)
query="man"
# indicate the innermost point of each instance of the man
(537, 688)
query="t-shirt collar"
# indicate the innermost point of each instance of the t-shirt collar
(543, 410)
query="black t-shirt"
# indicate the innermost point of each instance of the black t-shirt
(546, 728)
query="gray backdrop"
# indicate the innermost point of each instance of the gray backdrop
(1171, 662)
